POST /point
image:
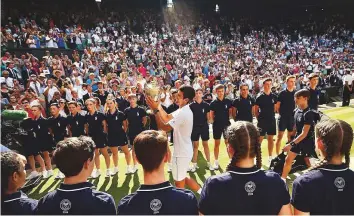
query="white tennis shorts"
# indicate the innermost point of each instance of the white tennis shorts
(180, 167)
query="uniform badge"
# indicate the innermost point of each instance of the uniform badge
(58, 124)
(250, 187)
(225, 106)
(203, 110)
(65, 205)
(96, 118)
(77, 123)
(39, 127)
(116, 118)
(137, 114)
(34, 134)
(155, 205)
(339, 182)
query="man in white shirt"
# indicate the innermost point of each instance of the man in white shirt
(181, 121)
(347, 88)
(6, 79)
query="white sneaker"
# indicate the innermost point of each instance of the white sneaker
(108, 173)
(33, 174)
(192, 168)
(270, 158)
(129, 170)
(134, 169)
(115, 171)
(196, 165)
(45, 174)
(95, 173)
(169, 167)
(50, 173)
(60, 175)
(216, 165)
(209, 166)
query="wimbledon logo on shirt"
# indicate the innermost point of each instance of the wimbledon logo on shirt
(250, 187)
(65, 205)
(155, 205)
(339, 182)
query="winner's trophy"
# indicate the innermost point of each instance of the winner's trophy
(152, 89)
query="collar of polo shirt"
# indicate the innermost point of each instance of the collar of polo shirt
(156, 187)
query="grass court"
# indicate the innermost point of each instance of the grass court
(121, 184)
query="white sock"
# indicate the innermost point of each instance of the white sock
(199, 191)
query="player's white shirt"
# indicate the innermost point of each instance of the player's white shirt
(182, 124)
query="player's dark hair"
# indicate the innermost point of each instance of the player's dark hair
(219, 86)
(243, 137)
(10, 163)
(266, 80)
(78, 149)
(188, 92)
(73, 103)
(337, 138)
(303, 93)
(150, 148)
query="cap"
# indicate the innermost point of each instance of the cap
(42, 75)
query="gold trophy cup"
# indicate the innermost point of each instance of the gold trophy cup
(152, 90)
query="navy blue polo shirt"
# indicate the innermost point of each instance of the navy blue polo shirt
(122, 103)
(305, 117)
(77, 124)
(244, 191)
(328, 190)
(266, 105)
(78, 198)
(287, 103)
(58, 126)
(163, 199)
(221, 111)
(18, 204)
(313, 101)
(200, 112)
(135, 118)
(115, 122)
(244, 108)
(41, 130)
(95, 123)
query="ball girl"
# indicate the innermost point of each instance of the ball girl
(96, 127)
(117, 127)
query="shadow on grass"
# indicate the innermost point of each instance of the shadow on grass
(119, 192)
(37, 193)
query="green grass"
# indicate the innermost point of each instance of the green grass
(121, 184)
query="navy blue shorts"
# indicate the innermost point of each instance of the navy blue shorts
(267, 126)
(306, 148)
(31, 148)
(286, 123)
(218, 131)
(200, 132)
(117, 139)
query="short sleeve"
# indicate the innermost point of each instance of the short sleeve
(207, 107)
(301, 196)
(280, 96)
(205, 202)
(178, 119)
(101, 116)
(259, 100)
(309, 118)
(193, 205)
(284, 192)
(122, 116)
(253, 102)
(142, 112)
(235, 103)
(212, 106)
